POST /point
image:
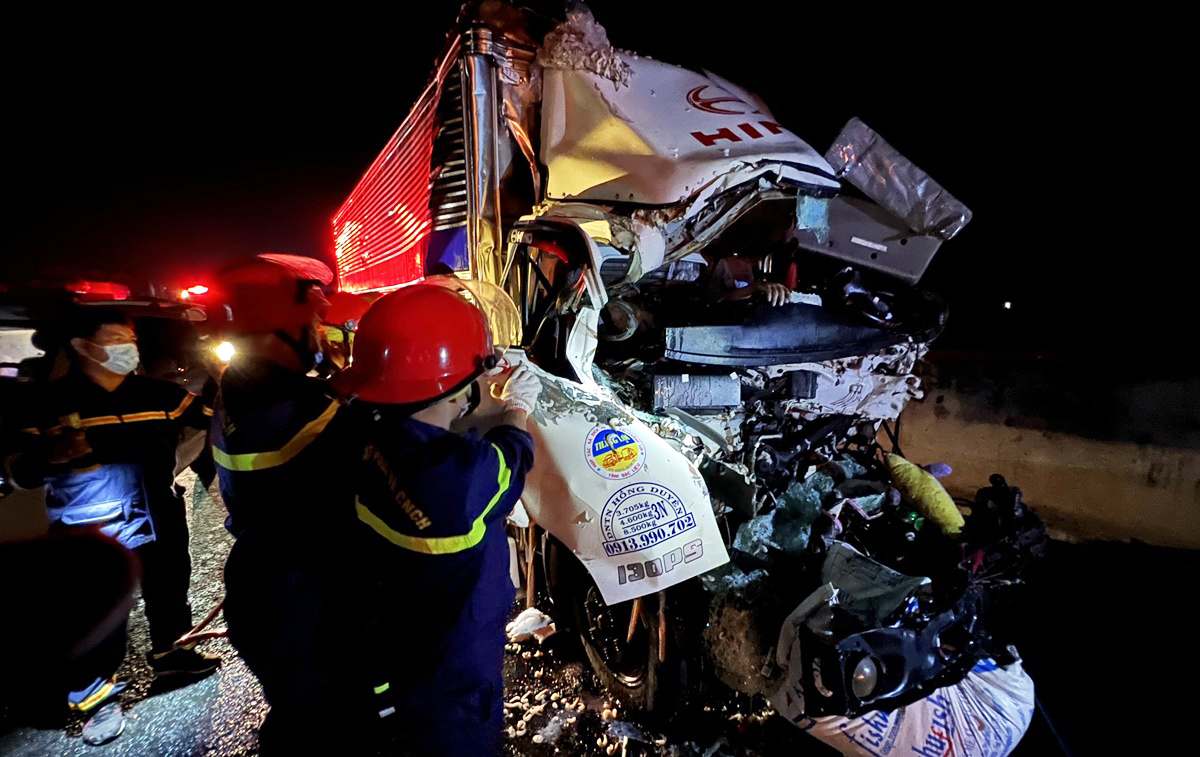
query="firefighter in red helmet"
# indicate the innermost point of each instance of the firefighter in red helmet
(338, 325)
(431, 506)
(275, 443)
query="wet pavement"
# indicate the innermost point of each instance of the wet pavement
(553, 704)
(218, 715)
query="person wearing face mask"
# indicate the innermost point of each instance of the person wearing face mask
(102, 441)
(431, 506)
(276, 446)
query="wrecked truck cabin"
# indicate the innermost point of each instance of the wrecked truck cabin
(726, 323)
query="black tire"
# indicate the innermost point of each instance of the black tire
(633, 672)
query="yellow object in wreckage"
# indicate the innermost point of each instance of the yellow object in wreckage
(926, 494)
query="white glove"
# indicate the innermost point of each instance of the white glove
(522, 390)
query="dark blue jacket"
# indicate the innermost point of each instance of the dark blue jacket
(432, 505)
(132, 431)
(277, 451)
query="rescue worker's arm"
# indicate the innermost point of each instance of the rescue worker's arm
(516, 418)
(465, 485)
(510, 439)
(509, 452)
(190, 410)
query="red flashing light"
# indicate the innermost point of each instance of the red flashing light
(381, 233)
(198, 289)
(97, 291)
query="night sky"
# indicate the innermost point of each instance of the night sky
(160, 146)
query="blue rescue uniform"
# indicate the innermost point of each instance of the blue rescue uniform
(432, 506)
(279, 458)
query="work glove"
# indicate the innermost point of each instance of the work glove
(522, 390)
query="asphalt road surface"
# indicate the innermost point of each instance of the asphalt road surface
(554, 705)
(1091, 602)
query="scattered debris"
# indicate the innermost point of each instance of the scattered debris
(543, 633)
(523, 626)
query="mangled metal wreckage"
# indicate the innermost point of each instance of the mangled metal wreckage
(702, 455)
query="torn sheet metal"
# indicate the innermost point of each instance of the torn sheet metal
(718, 433)
(659, 140)
(877, 386)
(864, 159)
(641, 242)
(630, 506)
(580, 43)
(689, 227)
(864, 234)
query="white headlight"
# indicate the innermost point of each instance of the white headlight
(865, 678)
(225, 351)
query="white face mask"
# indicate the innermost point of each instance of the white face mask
(122, 358)
(470, 398)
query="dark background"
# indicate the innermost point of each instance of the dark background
(161, 144)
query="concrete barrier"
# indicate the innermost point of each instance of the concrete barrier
(1084, 488)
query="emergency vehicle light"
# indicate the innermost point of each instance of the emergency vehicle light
(90, 291)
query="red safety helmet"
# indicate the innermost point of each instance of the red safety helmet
(346, 309)
(417, 345)
(266, 293)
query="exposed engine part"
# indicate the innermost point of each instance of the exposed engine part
(696, 391)
(787, 443)
(623, 318)
(769, 335)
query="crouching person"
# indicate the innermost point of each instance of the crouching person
(432, 505)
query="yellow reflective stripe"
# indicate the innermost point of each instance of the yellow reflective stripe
(32, 431)
(94, 699)
(182, 406)
(251, 461)
(383, 688)
(104, 420)
(439, 545)
(150, 415)
(207, 410)
(100, 420)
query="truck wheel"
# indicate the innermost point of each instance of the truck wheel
(631, 670)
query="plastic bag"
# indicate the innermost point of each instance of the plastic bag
(983, 715)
